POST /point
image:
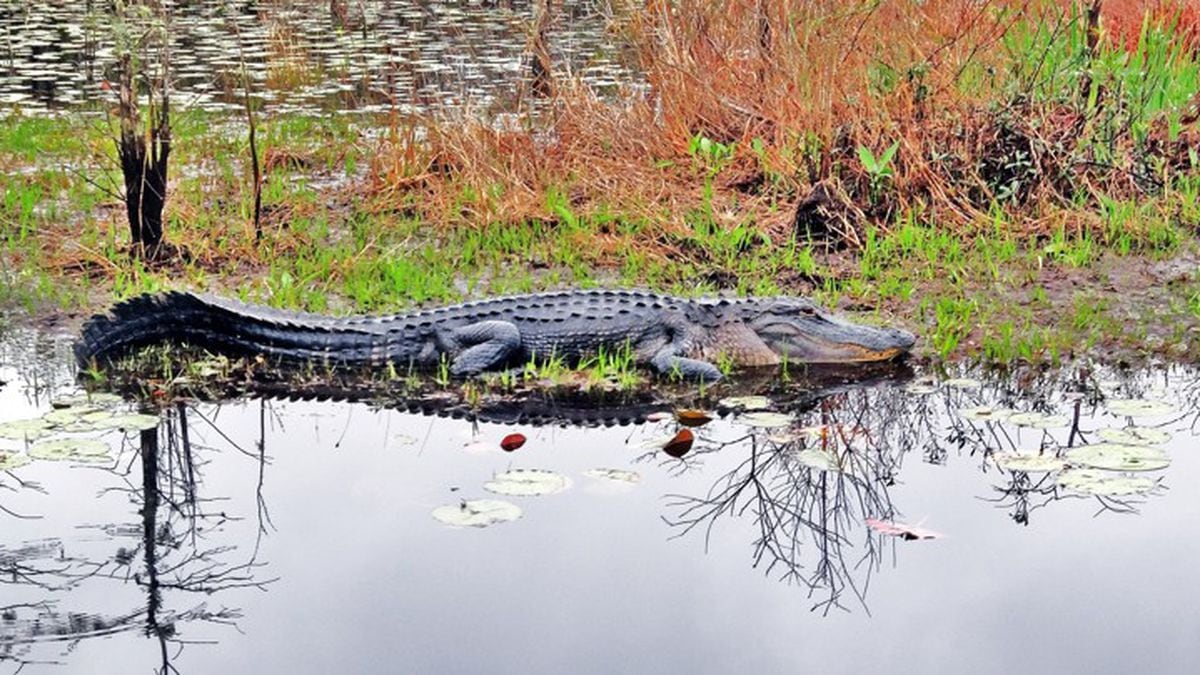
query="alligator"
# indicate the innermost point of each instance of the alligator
(685, 337)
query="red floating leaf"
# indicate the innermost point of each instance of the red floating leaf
(512, 442)
(692, 418)
(906, 532)
(679, 445)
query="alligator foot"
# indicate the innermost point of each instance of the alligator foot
(667, 363)
(489, 345)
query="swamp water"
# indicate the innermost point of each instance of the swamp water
(281, 536)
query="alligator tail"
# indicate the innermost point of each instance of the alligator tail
(226, 327)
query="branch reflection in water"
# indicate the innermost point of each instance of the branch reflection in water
(183, 549)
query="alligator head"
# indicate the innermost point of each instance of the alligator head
(800, 331)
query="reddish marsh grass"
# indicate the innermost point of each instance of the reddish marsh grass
(997, 111)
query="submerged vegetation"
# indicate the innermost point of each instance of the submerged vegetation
(1010, 180)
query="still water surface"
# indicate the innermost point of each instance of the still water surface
(297, 537)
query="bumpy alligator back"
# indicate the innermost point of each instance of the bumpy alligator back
(229, 327)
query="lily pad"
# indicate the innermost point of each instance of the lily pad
(1030, 463)
(745, 402)
(619, 475)
(1037, 420)
(1135, 436)
(10, 461)
(820, 460)
(986, 413)
(22, 430)
(64, 416)
(527, 483)
(128, 422)
(1139, 407)
(71, 449)
(1118, 457)
(921, 388)
(1101, 484)
(766, 420)
(477, 513)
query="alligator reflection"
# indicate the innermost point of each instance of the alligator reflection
(174, 556)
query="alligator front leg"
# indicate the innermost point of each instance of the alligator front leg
(667, 362)
(482, 346)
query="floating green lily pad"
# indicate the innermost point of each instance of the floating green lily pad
(1139, 407)
(71, 449)
(820, 460)
(64, 416)
(128, 422)
(1135, 436)
(745, 402)
(25, 430)
(766, 420)
(1030, 463)
(1118, 457)
(527, 483)
(986, 413)
(1101, 484)
(10, 461)
(1038, 420)
(619, 475)
(477, 513)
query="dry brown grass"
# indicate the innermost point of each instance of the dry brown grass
(796, 87)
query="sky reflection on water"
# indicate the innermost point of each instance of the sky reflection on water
(352, 573)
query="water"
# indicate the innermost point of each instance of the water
(367, 56)
(297, 537)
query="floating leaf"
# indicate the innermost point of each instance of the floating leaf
(10, 461)
(821, 460)
(1101, 484)
(658, 416)
(512, 442)
(680, 444)
(745, 402)
(619, 475)
(963, 383)
(65, 416)
(986, 413)
(1038, 420)
(22, 430)
(921, 388)
(908, 532)
(1030, 463)
(527, 483)
(692, 418)
(1138, 407)
(477, 513)
(1118, 457)
(71, 449)
(766, 420)
(1135, 436)
(128, 422)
